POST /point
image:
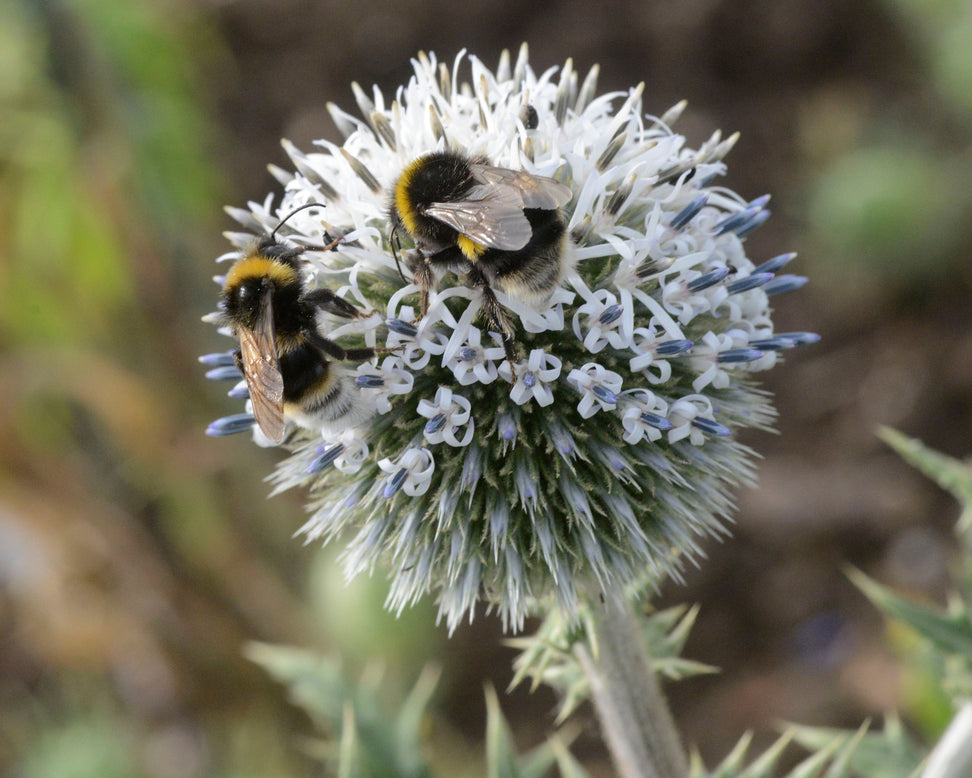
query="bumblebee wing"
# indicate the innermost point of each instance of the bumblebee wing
(261, 368)
(490, 215)
(535, 191)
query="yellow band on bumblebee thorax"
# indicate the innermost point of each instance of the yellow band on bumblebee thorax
(256, 266)
(406, 210)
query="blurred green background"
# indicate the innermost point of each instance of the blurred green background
(137, 556)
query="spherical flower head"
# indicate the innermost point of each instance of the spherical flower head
(599, 457)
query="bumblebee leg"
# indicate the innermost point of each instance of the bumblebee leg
(500, 320)
(497, 317)
(361, 354)
(328, 301)
(396, 246)
(424, 278)
(423, 269)
(331, 349)
(332, 244)
(291, 255)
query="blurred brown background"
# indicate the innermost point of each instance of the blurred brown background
(137, 556)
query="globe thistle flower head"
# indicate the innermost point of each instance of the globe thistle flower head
(601, 455)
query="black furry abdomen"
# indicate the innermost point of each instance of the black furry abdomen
(305, 371)
(536, 268)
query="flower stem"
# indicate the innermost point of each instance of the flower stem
(635, 718)
(952, 756)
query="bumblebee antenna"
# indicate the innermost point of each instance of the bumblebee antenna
(309, 247)
(283, 221)
(392, 239)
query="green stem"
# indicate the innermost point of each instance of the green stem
(952, 757)
(635, 719)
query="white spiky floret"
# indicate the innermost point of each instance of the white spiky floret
(608, 449)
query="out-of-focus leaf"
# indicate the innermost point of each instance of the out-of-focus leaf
(349, 765)
(944, 29)
(892, 209)
(950, 474)
(952, 64)
(502, 760)
(547, 656)
(569, 767)
(835, 753)
(380, 744)
(765, 764)
(733, 764)
(415, 708)
(813, 764)
(890, 753)
(950, 632)
(105, 157)
(95, 748)
(500, 752)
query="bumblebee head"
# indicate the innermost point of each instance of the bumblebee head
(251, 282)
(271, 248)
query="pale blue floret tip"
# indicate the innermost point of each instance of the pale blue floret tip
(231, 425)
(224, 374)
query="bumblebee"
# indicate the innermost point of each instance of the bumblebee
(497, 228)
(283, 356)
